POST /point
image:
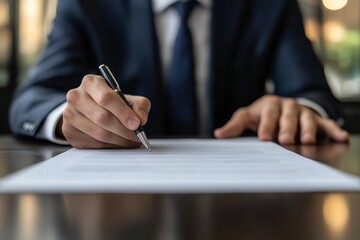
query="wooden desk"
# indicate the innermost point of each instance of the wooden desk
(303, 216)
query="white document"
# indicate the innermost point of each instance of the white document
(182, 166)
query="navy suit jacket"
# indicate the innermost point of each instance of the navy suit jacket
(251, 41)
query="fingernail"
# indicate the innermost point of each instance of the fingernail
(143, 114)
(217, 133)
(265, 137)
(344, 134)
(132, 123)
(286, 138)
(307, 138)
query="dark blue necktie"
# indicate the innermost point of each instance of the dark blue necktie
(182, 110)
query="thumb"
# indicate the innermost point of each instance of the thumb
(141, 106)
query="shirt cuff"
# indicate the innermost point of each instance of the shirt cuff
(48, 129)
(314, 106)
(317, 108)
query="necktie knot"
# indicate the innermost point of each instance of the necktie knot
(184, 8)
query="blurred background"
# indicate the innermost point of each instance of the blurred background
(333, 26)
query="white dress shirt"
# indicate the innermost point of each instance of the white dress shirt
(166, 25)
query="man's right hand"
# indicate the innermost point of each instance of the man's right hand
(96, 117)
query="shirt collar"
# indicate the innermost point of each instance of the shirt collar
(160, 6)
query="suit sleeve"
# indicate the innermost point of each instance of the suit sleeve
(296, 71)
(62, 65)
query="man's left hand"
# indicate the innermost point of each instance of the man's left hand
(281, 119)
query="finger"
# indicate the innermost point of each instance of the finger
(308, 126)
(107, 98)
(78, 139)
(75, 137)
(288, 123)
(86, 108)
(141, 106)
(269, 118)
(235, 126)
(331, 129)
(75, 120)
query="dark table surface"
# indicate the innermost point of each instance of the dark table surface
(325, 215)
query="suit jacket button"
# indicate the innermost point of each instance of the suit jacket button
(28, 126)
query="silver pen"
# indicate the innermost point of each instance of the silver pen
(109, 77)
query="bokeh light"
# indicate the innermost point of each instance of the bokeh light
(334, 4)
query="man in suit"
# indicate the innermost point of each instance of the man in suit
(237, 45)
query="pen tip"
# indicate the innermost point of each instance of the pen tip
(150, 150)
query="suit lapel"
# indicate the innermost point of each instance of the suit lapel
(226, 27)
(144, 67)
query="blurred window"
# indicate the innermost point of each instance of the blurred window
(24, 25)
(35, 19)
(5, 42)
(334, 28)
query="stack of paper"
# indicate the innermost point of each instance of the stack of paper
(182, 166)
